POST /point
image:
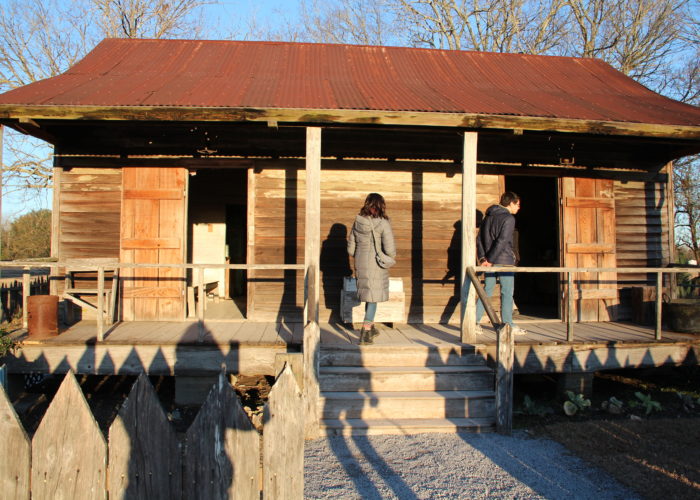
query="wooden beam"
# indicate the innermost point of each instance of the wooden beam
(155, 161)
(312, 258)
(9, 113)
(467, 309)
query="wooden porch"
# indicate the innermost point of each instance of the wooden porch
(190, 347)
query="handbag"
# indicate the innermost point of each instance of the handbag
(383, 260)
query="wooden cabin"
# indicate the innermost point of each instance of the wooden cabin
(172, 151)
(221, 179)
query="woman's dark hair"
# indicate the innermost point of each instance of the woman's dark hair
(374, 206)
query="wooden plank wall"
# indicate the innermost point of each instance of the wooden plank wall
(423, 203)
(641, 208)
(89, 211)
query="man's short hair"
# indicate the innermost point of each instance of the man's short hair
(509, 197)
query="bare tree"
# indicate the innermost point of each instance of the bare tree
(686, 189)
(363, 22)
(638, 37)
(150, 18)
(533, 26)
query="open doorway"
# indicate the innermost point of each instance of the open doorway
(217, 234)
(537, 241)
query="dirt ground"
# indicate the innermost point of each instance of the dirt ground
(657, 455)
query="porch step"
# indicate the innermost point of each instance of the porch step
(398, 378)
(405, 404)
(415, 356)
(389, 389)
(354, 426)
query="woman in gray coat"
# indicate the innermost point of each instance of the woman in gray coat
(372, 280)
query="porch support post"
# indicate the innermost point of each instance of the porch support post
(312, 259)
(467, 310)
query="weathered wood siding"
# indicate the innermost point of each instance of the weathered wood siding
(424, 206)
(643, 235)
(89, 212)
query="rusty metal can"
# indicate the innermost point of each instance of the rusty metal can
(42, 316)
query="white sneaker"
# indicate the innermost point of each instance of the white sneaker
(516, 330)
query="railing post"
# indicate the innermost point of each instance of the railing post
(659, 297)
(200, 294)
(100, 302)
(504, 381)
(570, 307)
(26, 283)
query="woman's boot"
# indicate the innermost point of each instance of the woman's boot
(373, 332)
(366, 336)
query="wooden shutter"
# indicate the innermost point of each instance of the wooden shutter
(152, 231)
(589, 241)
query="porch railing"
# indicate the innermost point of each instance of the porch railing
(100, 269)
(504, 336)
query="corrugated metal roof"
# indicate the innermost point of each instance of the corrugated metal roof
(233, 74)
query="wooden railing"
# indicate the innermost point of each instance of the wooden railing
(219, 456)
(504, 336)
(100, 269)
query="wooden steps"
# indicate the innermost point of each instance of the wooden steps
(404, 390)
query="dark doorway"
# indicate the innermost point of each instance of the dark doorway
(217, 234)
(537, 242)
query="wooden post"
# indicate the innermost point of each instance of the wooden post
(467, 316)
(55, 229)
(26, 292)
(200, 294)
(659, 297)
(312, 257)
(569, 307)
(504, 381)
(312, 235)
(100, 303)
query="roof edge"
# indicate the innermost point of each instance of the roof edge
(347, 116)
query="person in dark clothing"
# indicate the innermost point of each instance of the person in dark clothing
(495, 249)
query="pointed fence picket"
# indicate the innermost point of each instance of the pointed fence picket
(69, 452)
(144, 453)
(283, 417)
(15, 450)
(68, 456)
(222, 450)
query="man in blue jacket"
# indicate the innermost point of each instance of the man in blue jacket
(495, 249)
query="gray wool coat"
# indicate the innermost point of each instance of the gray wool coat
(372, 280)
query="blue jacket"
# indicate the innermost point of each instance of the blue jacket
(495, 240)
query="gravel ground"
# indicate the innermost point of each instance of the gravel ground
(465, 466)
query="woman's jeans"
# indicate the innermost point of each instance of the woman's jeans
(370, 311)
(507, 286)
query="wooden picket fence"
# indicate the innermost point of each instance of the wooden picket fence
(68, 456)
(11, 295)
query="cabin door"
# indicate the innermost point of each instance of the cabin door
(152, 230)
(588, 235)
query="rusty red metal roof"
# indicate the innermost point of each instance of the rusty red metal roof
(235, 74)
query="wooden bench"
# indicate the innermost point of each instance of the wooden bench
(78, 294)
(392, 311)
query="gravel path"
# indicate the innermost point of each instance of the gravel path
(465, 466)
